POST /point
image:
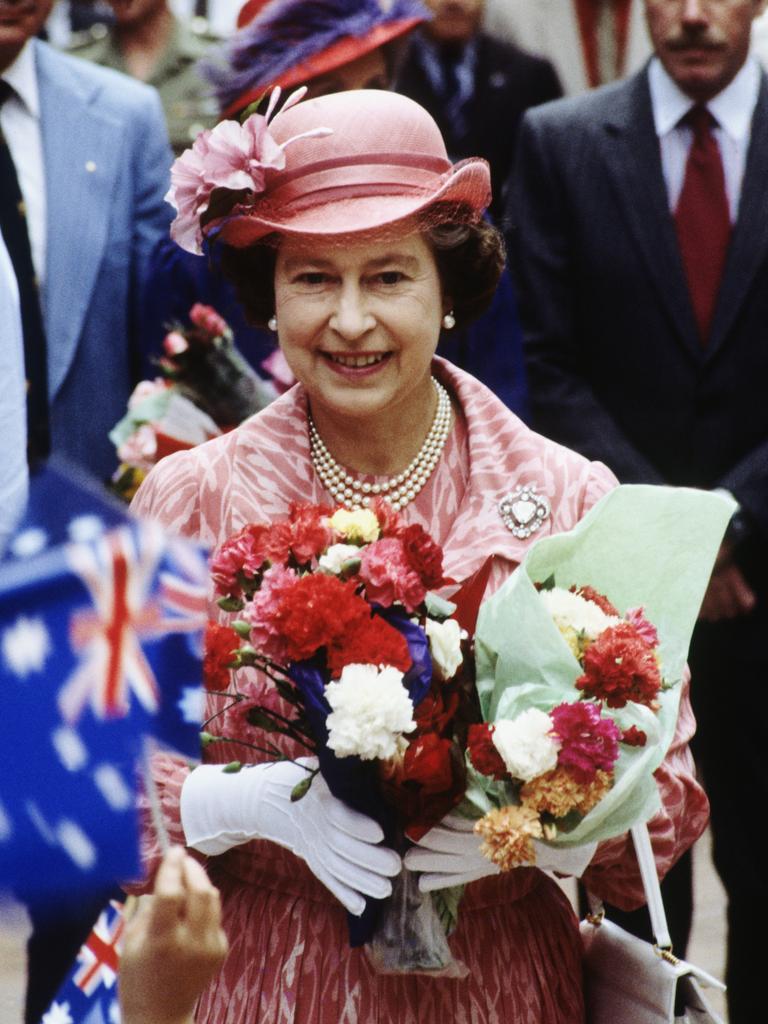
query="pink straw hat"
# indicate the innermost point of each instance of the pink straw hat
(337, 165)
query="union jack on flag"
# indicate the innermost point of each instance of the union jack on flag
(101, 621)
(89, 993)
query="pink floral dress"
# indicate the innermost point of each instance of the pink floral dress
(289, 961)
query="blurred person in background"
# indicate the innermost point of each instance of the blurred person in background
(639, 229)
(590, 42)
(476, 87)
(148, 42)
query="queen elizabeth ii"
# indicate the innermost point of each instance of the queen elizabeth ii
(348, 231)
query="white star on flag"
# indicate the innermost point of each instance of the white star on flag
(26, 645)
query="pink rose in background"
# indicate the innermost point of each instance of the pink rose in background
(208, 320)
(646, 629)
(174, 343)
(388, 575)
(146, 389)
(140, 449)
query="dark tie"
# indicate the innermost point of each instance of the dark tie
(702, 219)
(13, 223)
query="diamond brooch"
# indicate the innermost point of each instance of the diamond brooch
(523, 511)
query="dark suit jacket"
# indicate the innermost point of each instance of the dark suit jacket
(507, 82)
(616, 368)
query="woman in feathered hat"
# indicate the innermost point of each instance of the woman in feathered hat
(351, 234)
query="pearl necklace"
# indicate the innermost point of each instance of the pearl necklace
(398, 490)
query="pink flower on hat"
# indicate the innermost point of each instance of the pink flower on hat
(231, 156)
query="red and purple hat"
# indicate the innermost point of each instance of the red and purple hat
(290, 42)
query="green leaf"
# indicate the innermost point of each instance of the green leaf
(446, 903)
(206, 738)
(232, 768)
(242, 628)
(548, 584)
(230, 604)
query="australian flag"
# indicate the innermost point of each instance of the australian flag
(101, 621)
(89, 995)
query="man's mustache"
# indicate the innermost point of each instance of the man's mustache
(693, 40)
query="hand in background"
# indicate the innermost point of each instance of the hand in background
(728, 595)
(173, 944)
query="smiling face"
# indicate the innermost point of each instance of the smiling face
(702, 43)
(358, 325)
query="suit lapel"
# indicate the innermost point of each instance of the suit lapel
(631, 151)
(81, 152)
(749, 242)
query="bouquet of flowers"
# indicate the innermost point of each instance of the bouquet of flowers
(370, 673)
(205, 387)
(579, 661)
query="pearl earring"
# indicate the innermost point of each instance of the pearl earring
(449, 321)
(272, 323)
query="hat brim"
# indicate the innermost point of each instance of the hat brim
(466, 192)
(342, 52)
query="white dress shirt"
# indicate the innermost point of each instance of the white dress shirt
(20, 121)
(13, 402)
(732, 109)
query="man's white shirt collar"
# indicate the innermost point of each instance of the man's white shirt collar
(732, 108)
(22, 76)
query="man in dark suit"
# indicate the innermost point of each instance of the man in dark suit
(639, 226)
(475, 87)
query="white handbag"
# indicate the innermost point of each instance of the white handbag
(630, 981)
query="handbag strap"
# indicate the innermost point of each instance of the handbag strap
(651, 885)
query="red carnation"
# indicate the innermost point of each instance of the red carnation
(590, 594)
(437, 709)
(239, 559)
(483, 753)
(220, 645)
(370, 642)
(634, 737)
(620, 667)
(590, 743)
(388, 575)
(316, 612)
(424, 556)
(427, 783)
(389, 521)
(309, 532)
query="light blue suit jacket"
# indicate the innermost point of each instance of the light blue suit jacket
(107, 161)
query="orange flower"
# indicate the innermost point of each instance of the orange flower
(558, 792)
(508, 834)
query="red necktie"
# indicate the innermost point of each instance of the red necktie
(703, 219)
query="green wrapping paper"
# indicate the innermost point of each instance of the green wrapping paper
(640, 546)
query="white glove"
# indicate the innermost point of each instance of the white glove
(449, 854)
(220, 810)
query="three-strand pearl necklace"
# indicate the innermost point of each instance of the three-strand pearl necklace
(398, 490)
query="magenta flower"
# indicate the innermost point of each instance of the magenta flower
(590, 743)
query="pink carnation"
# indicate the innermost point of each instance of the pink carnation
(237, 158)
(590, 743)
(645, 629)
(241, 555)
(389, 576)
(264, 612)
(208, 320)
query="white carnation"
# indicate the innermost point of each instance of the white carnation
(445, 646)
(571, 610)
(335, 557)
(371, 711)
(524, 744)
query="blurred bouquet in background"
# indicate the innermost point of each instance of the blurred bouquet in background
(204, 388)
